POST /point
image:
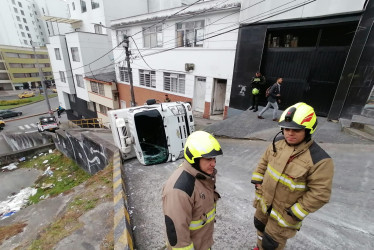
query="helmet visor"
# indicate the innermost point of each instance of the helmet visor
(212, 153)
(291, 125)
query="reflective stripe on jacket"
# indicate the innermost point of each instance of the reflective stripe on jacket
(189, 206)
(295, 181)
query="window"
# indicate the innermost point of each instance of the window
(147, 78)
(24, 20)
(20, 26)
(62, 76)
(75, 54)
(57, 53)
(15, 9)
(94, 4)
(174, 82)
(190, 34)
(80, 82)
(2, 66)
(9, 54)
(4, 76)
(124, 75)
(73, 5)
(18, 19)
(98, 88)
(25, 42)
(35, 13)
(15, 65)
(29, 65)
(27, 28)
(19, 4)
(14, 2)
(121, 35)
(72, 98)
(23, 13)
(23, 34)
(103, 109)
(152, 36)
(43, 11)
(83, 6)
(98, 29)
(91, 106)
(28, 35)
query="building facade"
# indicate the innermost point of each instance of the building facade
(321, 49)
(175, 51)
(87, 51)
(19, 65)
(21, 23)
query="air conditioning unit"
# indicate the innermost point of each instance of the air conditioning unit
(189, 66)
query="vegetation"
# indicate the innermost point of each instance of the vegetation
(66, 175)
(8, 104)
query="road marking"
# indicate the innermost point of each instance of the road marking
(31, 131)
(27, 126)
(32, 124)
(21, 127)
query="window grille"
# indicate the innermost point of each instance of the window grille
(124, 74)
(174, 82)
(147, 78)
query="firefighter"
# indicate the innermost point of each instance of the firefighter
(257, 86)
(293, 178)
(189, 196)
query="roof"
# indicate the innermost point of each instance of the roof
(60, 19)
(108, 77)
(201, 8)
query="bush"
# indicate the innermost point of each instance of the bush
(14, 102)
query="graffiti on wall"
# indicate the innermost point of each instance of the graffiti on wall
(87, 153)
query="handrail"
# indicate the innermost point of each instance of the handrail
(87, 123)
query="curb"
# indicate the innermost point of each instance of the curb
(123, 237)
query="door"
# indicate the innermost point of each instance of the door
(123, 104)
(199, 94)
(219, 94)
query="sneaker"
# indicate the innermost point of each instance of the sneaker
(260, 117)
(276, 120)
(255, 110)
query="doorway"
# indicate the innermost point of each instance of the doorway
(219, 95)
(199, 94)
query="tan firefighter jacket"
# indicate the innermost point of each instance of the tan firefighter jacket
(189, 205)
(295, 181)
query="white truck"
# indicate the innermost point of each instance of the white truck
(154, 133)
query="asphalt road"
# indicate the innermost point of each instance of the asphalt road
(344, 223)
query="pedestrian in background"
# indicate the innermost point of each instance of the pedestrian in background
(167, 99)
(189, 197)
(273, 99)
(292, 179)
(257, 88)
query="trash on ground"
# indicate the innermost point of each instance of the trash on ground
(47, 186)
(22, 159)
(48, 172)
(15, 202)
(50, 151)
(10, 166)
(35, 157)
(46, 161)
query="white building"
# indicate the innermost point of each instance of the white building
(20, 21)
(188, 53)
(87, 51)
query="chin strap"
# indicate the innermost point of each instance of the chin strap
(274, 148)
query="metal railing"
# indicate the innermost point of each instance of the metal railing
(87, 123)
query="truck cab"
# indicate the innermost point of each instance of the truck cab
(47, 123)
(154, 133)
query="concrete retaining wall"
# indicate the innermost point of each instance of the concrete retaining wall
(8, 158)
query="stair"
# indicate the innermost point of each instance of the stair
(360, 126)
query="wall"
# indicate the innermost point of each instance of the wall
(252, 12)
(89, 151)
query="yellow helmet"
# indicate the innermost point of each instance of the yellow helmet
(201, 144)
(299, 116)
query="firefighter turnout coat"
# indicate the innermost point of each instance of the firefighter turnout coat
(295, 181)
(189, 205)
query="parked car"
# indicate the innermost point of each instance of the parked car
(9, 113)
(2, 124)
(26, 94)
(47, 123)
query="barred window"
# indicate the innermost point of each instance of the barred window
(98, 88)
(190, 34)
(124, 75)
(103, 109)
(174, 82)
(62, 76)
(80, 82)
(91, 106)
(147, 78)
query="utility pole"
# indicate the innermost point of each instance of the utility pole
(42, 80)
(129, 70)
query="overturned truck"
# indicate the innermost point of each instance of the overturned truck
(154, 133)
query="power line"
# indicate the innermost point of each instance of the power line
(140, 53)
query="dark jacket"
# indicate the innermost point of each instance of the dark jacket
(258, 83)
(274, 91)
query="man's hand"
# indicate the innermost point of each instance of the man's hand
(257, 186)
